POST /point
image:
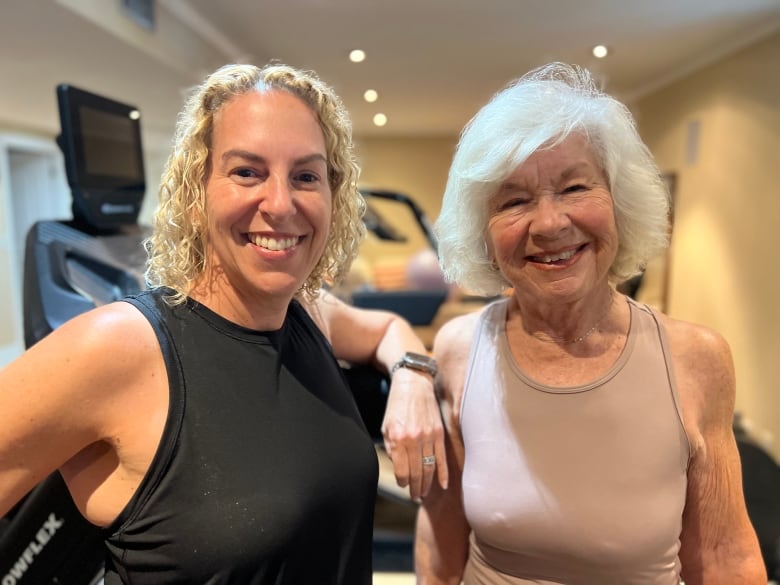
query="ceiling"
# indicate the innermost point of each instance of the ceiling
(433, 62)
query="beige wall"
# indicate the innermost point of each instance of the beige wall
(727, 214)
(416, 167)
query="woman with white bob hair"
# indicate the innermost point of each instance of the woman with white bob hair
(589, 436)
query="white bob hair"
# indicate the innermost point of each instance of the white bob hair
(538, 111)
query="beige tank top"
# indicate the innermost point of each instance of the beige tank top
(581, 485)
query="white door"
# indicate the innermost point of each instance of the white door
(33, 186)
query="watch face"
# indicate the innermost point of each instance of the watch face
(416, 361)
(420, 362)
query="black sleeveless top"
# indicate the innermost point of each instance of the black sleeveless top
(265, 472)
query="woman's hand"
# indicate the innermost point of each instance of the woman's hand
(413, 432)
(412, 426)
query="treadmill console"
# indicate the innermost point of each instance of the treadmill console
(101, 141)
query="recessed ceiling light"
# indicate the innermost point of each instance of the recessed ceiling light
(380, 119)
(357, 56)
(600, 51)
(370, 96)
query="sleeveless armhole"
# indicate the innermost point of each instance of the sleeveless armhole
(669, 371)
(298, 311)
(168, 440)
(486, 317)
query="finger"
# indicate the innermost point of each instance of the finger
(428, 471)
(416, 472)
(400, 465)
(397, 456)
(442, 471)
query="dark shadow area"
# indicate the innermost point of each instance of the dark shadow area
(761, 485)
(394, 535)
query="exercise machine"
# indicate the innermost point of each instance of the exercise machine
(72, 266)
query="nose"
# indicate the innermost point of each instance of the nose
(550, 217)
(276, 199)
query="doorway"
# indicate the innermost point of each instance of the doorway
(33, 186)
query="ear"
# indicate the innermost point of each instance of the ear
(489, 252)
(197, 218)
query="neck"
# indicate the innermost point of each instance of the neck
(258, 313)
(568, 331)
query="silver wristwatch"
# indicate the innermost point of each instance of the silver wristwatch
(416, 361)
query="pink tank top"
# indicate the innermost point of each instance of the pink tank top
(580, 485)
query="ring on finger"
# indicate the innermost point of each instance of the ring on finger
(429, 460)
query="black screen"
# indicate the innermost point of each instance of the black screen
(101, 141)
(109, 145)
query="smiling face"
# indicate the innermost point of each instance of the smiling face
(551, 226)
(268, 206)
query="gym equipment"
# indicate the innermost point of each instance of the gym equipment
(71, 267)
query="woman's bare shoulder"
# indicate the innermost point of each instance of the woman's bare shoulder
(704, 370)
(88, 356)
(697, 349)
(117, 331)
(456, 334)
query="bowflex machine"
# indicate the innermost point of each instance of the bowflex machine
(72, 266)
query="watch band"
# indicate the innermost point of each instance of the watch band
(416, 361)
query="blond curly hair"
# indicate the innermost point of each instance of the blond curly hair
(177, 246)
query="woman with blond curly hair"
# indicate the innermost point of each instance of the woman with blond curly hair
(204, 423)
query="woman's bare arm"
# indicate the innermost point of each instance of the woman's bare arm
(412, 426)
(718, 543)
(442, 531)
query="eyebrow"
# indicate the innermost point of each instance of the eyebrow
(252, 157)
(577, 167)
(511, 185)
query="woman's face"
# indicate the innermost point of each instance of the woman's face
(268, 200)
(551, 225)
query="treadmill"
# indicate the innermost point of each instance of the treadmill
(71, 267)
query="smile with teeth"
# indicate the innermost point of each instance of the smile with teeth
(274, 244)
(554, 257)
